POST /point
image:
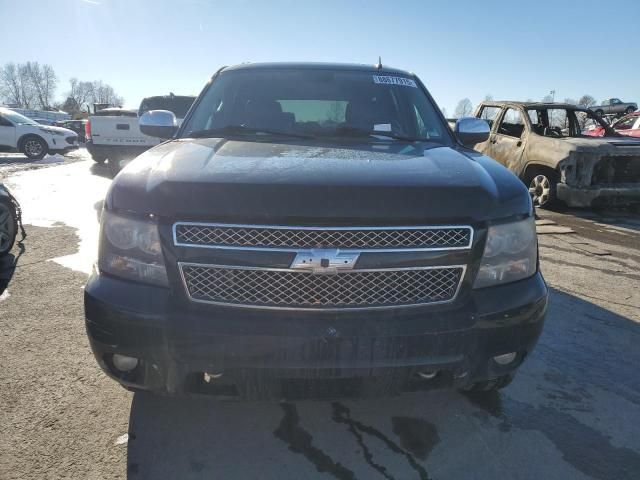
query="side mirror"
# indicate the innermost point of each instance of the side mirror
(158, 123)
(471, 130)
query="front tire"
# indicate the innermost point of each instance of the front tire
(8, 226)
(630, 110)
(543, 186)
(34, 148)
(600, 113)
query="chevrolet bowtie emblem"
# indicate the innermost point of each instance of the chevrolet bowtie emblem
(324, 261)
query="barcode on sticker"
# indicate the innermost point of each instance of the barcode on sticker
(387, 80)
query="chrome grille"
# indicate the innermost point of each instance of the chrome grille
(385, 238)
(286, 288)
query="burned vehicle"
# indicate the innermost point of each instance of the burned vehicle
(312, 230)
(548, 146)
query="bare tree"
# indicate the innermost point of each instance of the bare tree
(464, 108)
(43, 81)
(488, 97)
(70, 105)
(547, 99)
(79, 94)
(104, 93)
(586, 101)
(82, 93)
(10, 84)
(570, 101)
(15, 85)
(444, 112)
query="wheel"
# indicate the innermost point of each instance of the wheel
(630, 110)
(490, 385)
(34, 148)
(98, 159)
(8, 227)
(542, 187)
(599, 113)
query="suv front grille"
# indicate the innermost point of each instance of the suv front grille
(386, 238)
(287, 288)
(617, 169)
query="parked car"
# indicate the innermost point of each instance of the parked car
(628, 125)
(113, 133)
(544, 144)
(21, 134)
(77, 126)
(615, 106)
(8, 220)
(311, 226)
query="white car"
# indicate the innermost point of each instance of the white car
(22, 134)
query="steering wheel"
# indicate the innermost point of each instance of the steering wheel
(552, 132)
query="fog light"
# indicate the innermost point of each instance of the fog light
(505, 359)
(124, 363)
(210, 377)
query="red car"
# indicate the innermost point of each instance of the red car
(628, 125)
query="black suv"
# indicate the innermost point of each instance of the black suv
(314, 229)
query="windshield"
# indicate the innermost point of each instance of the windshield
(318, 103)
(16, 118)
(177, 104)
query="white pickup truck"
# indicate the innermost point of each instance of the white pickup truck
(113, 133)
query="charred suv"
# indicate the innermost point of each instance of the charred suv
(314, 229)
(551, 148)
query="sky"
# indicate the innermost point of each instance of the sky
(510, 50)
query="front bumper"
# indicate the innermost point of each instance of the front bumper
(595, 195)
(262, 354)
(59, 144)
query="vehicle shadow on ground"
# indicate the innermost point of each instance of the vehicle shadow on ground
(8, 264)
(628, 217)
(13, 159)
(562, 406)
(101, 170)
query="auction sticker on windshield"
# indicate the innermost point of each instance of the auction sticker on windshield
(387, 80)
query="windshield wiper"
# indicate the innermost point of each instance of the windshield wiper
(241, 130)
(360, 132)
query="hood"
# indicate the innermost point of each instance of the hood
(64, 131)
(254, 181)
(604, 144)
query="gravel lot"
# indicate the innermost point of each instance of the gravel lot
(572, 413)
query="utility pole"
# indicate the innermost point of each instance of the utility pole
(553, 95)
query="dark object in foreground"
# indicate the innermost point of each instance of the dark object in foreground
(314, 230)
(10, 220)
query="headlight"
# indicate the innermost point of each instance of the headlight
(510, 253)
(130, 248)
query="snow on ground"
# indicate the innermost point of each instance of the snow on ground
(75, 199)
